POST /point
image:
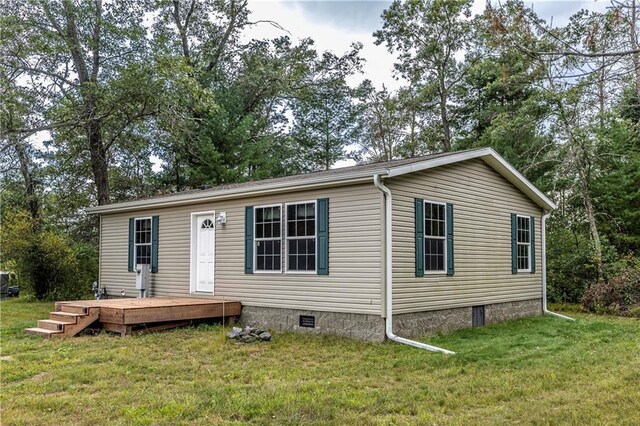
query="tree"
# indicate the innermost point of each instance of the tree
(323, 111)
(381, 127)
(501, 102)
(233, 105)
(429, 36)
(78, 59)
(14, 109)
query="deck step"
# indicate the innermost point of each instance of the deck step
(42, 332)
(65, 316)
(73, 309)
(54, 324)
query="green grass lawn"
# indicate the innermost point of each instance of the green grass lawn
(533, 371)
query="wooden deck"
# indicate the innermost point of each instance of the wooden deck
(132, 315)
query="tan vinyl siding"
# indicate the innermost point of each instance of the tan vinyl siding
(483, 202)
(354, 280)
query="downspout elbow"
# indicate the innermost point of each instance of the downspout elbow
(389, 276)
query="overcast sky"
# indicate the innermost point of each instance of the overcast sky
(335, 24)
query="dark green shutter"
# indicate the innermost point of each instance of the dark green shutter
(419, 220)
(248, 240)
(533, 245)
(323, 236)
(132, 230)
(450, 268)
(514, 243)
(154, 244)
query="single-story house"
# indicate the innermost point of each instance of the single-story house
(438, 243)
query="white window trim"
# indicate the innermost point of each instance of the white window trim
(286, 238)
(424, 238)
(527, 244)
(135, 245)
(255, 241)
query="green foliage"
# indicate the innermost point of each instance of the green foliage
(46, 263)
(428, 36)
(616, 191)
(570, 269)
(324, 115)
(620, 295)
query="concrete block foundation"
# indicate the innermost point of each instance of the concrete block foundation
(357, 326)
(372, 327)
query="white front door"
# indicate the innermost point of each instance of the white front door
(204, 257)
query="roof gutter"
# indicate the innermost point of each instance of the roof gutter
(544, 271)
(389, 276)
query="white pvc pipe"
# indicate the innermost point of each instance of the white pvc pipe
(544, 271)
(389, 276)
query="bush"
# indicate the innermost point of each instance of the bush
(620, 295)
(47, 264)
(570, 268)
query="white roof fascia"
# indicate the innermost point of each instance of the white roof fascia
(437, 162)
(246, 191)
(494, 160)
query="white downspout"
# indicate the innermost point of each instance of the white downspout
(544, 271)
(388, 278)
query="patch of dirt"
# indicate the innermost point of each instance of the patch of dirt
(40, 377)
(6, 358)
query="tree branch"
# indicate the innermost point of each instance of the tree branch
(96, 41)
(235, 10)
(591, 55)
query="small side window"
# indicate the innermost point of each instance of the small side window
(142, 241)
(523, 240)
(435, 237)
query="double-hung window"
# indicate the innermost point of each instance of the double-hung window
(435, 237)
(142, 241)
(301, 236)
(268, 239)
(524, 243)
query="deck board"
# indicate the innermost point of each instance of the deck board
(132, 311)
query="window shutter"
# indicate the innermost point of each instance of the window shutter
(248, 240)
(154, 243)
(132, 229)
(450, 267)
(419, 219)
(533, 245)
(323, 236)
(514, 243)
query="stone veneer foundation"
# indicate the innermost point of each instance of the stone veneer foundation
(372, 327)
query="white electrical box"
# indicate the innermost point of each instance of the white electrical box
(143, 272)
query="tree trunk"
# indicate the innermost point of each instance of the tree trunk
(88, 82)
(634, 45)
(27, 174)
(99, 164)
(593, 229)
(327, 139)
(446, 131)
